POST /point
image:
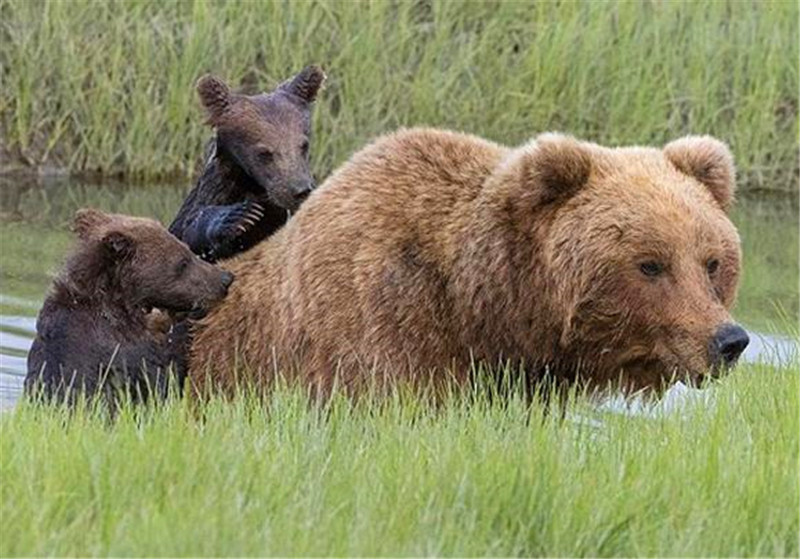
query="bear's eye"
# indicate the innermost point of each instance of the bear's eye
(182, 266)
(712, 266)
(652, 268)
(304, 149)
(266, 156)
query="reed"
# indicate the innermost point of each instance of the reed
(108, 88)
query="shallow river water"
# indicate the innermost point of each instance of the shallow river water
(34, 239)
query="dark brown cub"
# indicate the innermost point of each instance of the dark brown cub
(257, 168)
(96, 332)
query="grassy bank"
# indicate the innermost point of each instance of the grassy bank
(718, 479)
(108, 87)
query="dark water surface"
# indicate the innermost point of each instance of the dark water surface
(34, 239)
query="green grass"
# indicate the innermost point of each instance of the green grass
(402, 478)
(109, 87)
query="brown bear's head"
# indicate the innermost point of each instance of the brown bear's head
(267, 135)
(145, 265)
(641, 259)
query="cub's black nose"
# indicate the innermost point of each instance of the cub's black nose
(227, 279)
(728, 344)
(301, 195)
(302, 192)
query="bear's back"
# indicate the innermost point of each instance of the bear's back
(412, 184)
(380, 225)
(412, 170)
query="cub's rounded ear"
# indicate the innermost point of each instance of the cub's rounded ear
(306, 84)
(215, 95)
(556, 167)
(87, 221)
(707, 160)
(118, 244)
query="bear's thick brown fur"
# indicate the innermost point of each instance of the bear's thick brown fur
(431, 250)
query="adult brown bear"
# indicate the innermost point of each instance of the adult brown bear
(431, 250)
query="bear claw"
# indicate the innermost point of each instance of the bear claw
(243, 217)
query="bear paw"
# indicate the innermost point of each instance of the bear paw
(226, 229)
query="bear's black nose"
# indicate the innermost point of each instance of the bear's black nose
(728, 344)
(301, 195)
(302, 190)
(227, 279)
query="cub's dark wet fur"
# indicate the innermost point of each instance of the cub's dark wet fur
(106, 324)
(256, 169)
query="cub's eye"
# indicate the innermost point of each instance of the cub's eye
(652, 268)
(182, 266)
(304, 149)
(712, 266)
(266, 156)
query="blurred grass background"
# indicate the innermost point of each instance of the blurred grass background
(108, 88)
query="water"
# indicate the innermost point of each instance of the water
(34, 239)
(16, 335)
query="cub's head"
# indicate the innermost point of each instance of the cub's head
(640, 254)
(269, 134)
(149, 267)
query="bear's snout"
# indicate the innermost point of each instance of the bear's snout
(301, 189)
(222, 284)
(727, 344)
(227, 280)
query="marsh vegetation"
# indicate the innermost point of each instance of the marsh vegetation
(108, 88)
(474, 477)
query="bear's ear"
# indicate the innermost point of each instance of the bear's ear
(87, 221)
(118, 244)
(556, 166)
(707, 160)
(306, 84)
(215, 95)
